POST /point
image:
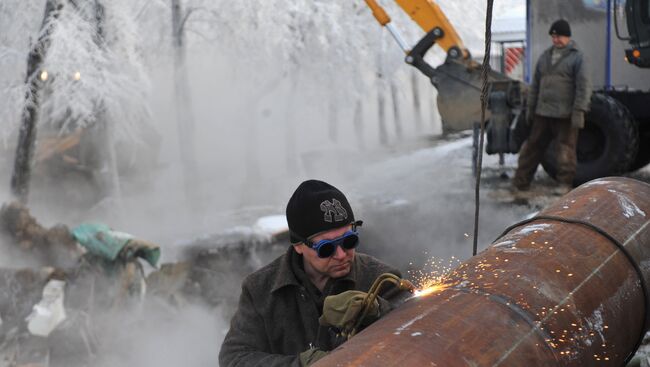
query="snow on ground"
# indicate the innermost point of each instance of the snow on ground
(435, 187)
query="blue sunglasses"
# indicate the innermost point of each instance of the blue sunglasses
(327, 248)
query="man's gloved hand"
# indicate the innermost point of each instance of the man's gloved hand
(310, 356)
(342, 310)
(577, 119)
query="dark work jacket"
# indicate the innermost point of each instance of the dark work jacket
(277, 316)
(561, 88)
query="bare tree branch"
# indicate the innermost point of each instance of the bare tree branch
(145, 6)
(200, 34)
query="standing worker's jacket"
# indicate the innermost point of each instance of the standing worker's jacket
(277, 316)
(559, 88)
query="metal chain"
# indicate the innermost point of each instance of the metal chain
(484, 92)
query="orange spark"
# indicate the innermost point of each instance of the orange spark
(430, 289)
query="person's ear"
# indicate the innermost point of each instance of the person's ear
(299, 248)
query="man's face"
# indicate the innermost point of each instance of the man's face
(336, 266)
(560, 41)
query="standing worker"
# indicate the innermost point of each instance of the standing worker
(292, 311)
(557, 101)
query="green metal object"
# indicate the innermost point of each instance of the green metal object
(100, 240)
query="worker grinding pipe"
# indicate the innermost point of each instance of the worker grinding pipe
(557, 102)
(311, 299)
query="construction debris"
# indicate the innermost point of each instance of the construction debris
(102, 241)
(49, 312)
(57, 312)
(51, 246)
(207, 274)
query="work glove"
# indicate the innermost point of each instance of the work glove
(343, 310)
(310, 356)
(577, 119)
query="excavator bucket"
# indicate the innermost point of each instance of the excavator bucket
(458, 80)
(459, 86)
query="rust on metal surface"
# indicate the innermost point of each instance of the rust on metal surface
(565, 288)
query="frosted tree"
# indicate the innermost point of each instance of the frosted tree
(34, 82)
(91, 77)
(16, 34)
(95, 60)
(184, 115)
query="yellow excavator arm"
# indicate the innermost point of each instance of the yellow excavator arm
(431, 19)
(459, 79)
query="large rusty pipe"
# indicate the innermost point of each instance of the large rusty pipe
(565, 288)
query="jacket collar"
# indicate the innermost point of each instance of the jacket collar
(571, 46)
(286, 276)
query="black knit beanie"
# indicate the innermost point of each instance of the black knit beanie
(561, 28)
(314, 207)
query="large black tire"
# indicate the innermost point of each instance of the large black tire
(643, 156)
(608, 144)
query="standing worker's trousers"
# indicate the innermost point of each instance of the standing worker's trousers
(543, 131)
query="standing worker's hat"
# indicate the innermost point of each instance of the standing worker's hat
(314, 207)
(561, 28)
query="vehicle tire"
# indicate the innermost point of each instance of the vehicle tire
(643, 155)
(608, 144)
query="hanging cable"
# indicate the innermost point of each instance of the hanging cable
(484, 92)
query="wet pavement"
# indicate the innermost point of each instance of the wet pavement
(421, 203)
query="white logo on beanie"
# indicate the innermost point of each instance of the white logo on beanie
(333, 207)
